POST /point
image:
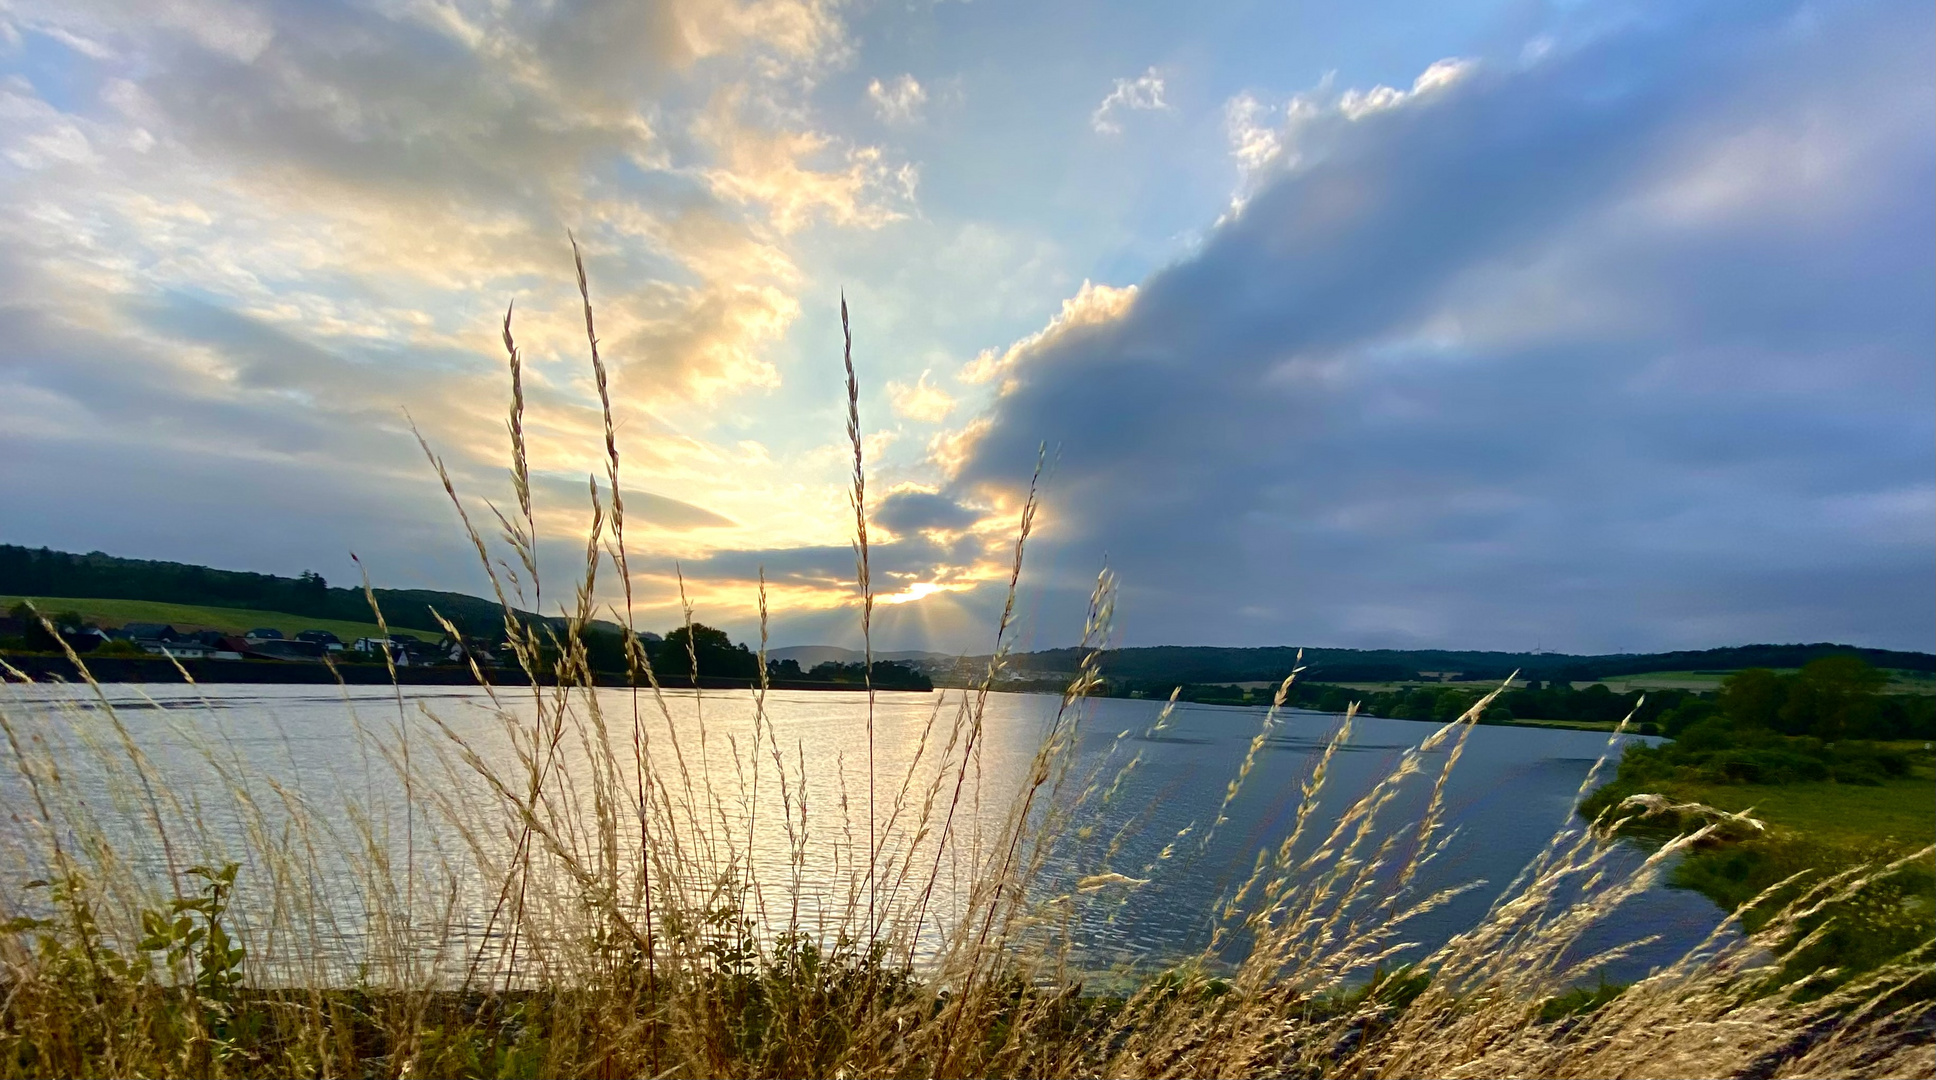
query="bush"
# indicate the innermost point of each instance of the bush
(1716, 751)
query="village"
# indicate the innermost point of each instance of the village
(21, 630)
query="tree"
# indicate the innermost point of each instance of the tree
(1451, 705)
(1601, 705)
(711, 651)
(1832, 698)
(1688, 713)
(1753, 697)
(33, 635)
(605, 651)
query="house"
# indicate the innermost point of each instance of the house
(403, 649)
(458, 650)
(417, 650)
(143, 632)
(281, 649)
(324, 638)
(84, 639)
(264, 633)
(183, 649)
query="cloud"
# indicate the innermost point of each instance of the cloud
(1144, 93)
(1622, 346)
(1092, 306)
(912, 510)
(801, 175)
(898, 102)
(248, 237)
(1253, 140)
(1256, 143)
(643, 509)
(928, 404)
(1616, 339)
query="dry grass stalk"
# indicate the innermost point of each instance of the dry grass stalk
(864, 580)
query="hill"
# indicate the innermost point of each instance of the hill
(190, 617)
(1169, 665)
(59, 574)
(62, 576)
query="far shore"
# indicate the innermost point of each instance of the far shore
(42, 668)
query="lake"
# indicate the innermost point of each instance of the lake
(246, 768)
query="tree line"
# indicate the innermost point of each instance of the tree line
(711, 654)
(1831, 698)
(1829, 721)
(1168, 666)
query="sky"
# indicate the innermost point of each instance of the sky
(1587, 327)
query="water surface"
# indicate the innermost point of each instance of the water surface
(248, 762)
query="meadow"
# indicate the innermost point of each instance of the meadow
(631, 933)
(1900, 682)
(1899, 811)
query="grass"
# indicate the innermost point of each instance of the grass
(1900, 682)
(1895, 812)
(1776, 839)
(190, 617)
(1900, 812)
(569, 893)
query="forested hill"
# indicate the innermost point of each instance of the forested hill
(41, 572)
(1175, 664)
(45, 573)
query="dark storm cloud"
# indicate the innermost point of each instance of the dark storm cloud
(1627, 345)
(906, 512)
(891, 564)
(641, 507)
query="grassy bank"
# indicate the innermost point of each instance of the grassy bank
(1790, 812)
(1897, 812)
(1840, 824)
(191, 617)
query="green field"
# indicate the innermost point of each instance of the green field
(1814, 831)
(1900, 682)
(114, 613)
(1899, 814)
(1413, 684)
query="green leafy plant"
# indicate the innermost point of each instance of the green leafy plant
(217, 962)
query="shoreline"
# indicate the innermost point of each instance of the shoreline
(155, 669)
